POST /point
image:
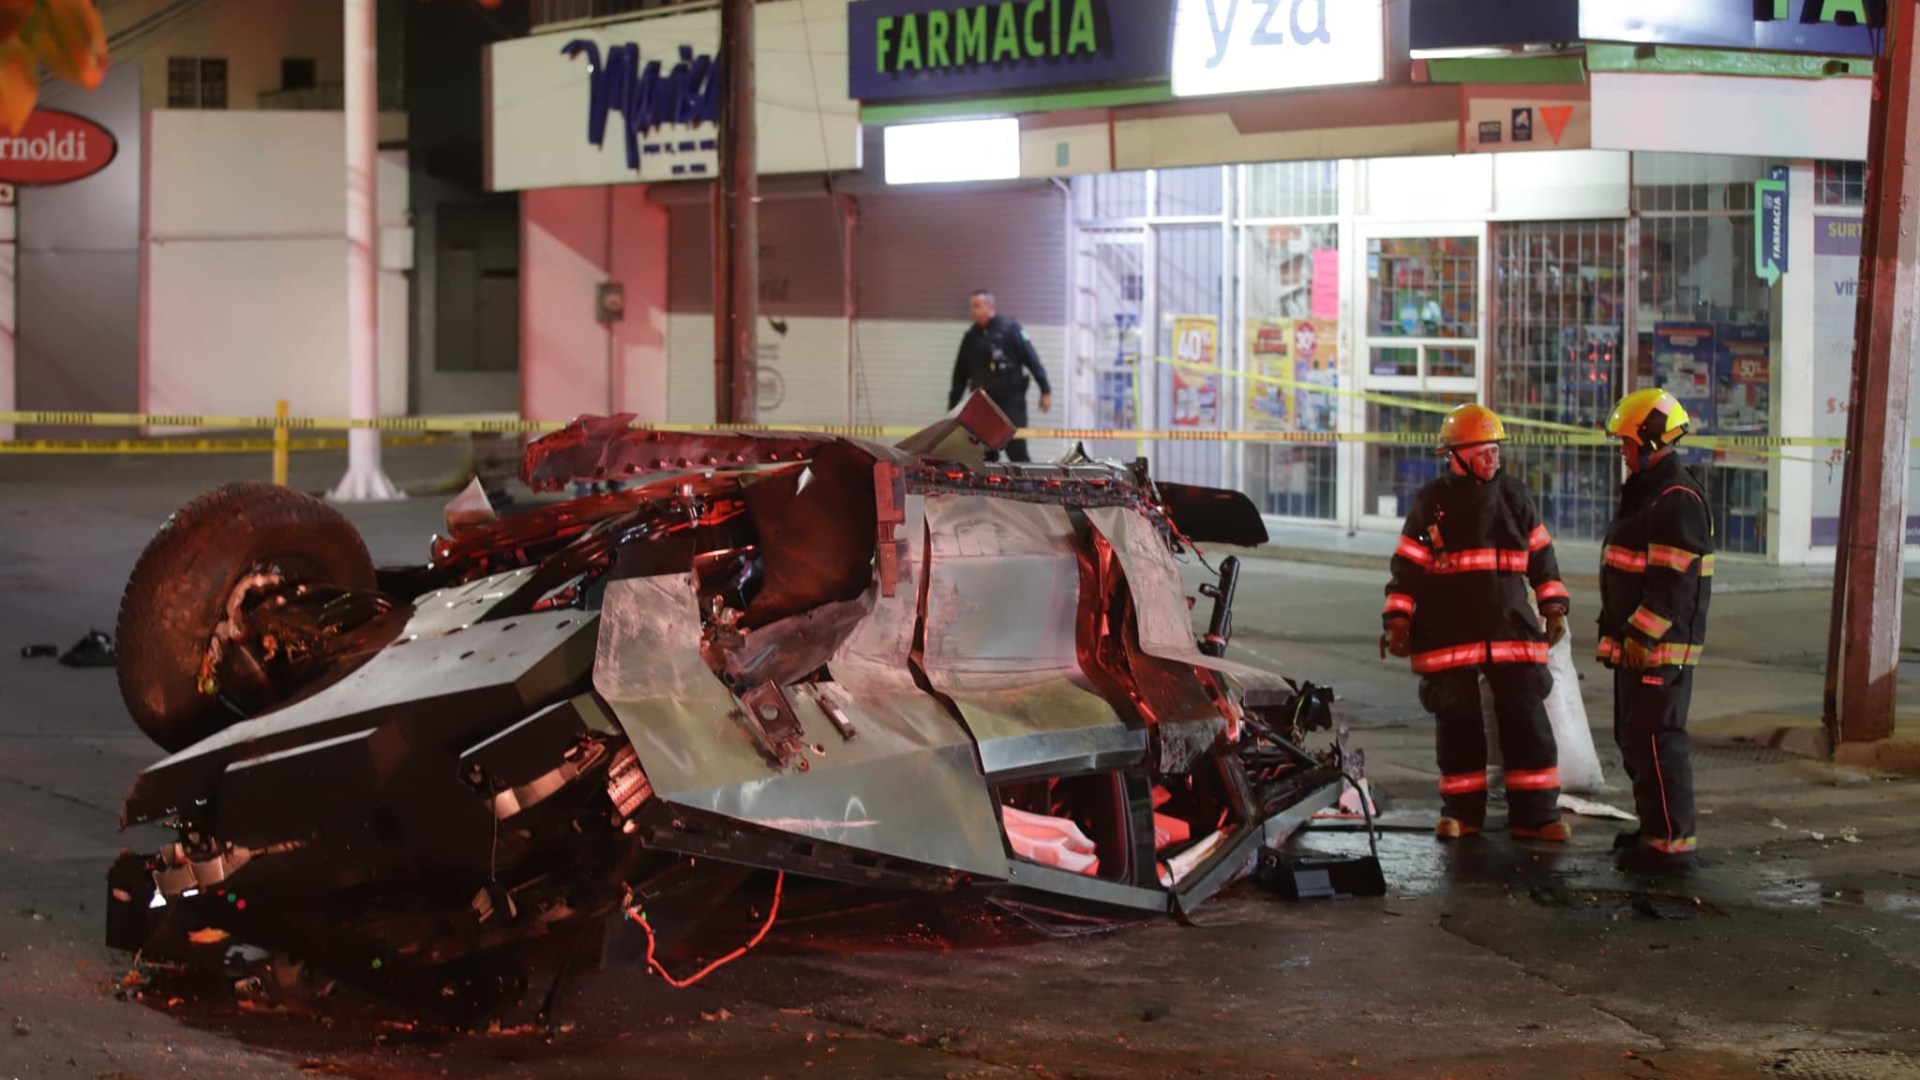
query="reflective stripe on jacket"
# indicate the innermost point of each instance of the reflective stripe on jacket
(1656, 569)
(1473, 560)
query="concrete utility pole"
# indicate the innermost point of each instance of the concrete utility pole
(736, 234)
(365, 481)
(1864, 656)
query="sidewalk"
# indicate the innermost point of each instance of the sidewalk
(1329, 545)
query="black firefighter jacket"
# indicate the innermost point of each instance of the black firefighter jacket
(1656, 571)
(1468, 556)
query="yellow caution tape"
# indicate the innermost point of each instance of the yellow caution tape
(1551, 434)
(189, 446)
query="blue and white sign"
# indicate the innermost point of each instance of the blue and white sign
(650, 96)
(1770, 238)
(639, 101)
(1249, 46)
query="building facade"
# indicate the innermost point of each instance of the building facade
(202, 267)
(1539, 206)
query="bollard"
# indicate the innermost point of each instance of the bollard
(280, 440)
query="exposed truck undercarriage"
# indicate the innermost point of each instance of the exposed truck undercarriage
(880, 666)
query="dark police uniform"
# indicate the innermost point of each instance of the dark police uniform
(1656, 578)
(996, 358)
(1469, 555)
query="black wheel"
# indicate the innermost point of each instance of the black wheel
(178, 592)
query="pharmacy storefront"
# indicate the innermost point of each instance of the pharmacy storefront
(1421, 214)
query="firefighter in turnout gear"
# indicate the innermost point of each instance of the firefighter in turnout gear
(1656, 576)
(1472, 550)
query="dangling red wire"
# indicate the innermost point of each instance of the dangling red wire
(640, 917)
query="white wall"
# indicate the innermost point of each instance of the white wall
(1561, 184)
(245, 286)
(1552, 185)
(901, 372)
(1427, 188)
(1732, 114)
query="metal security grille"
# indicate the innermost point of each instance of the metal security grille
(1704, 323)
(1293, 189)
(1189, 295)
(1840, 183)
(1559, 318)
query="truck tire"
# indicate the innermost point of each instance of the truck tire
(177, 593)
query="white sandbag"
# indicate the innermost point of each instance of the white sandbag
(1579, 763)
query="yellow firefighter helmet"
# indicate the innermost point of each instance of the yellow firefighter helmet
(1650, 419)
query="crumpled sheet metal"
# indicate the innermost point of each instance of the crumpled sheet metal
(875, 661)
(905, 786)
(1003, 603)
(457, 607)
(449, 689)
(1161, 616)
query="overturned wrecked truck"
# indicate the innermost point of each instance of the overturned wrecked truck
(883, 666)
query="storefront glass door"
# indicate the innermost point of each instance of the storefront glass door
(1424, 307)
(1108, 317)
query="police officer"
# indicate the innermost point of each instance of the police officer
(1471, 551)
(1656, 577)
(995, 356)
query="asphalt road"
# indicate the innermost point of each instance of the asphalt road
(1795, 949)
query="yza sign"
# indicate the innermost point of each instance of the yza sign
(1245, 46)
(55, 148)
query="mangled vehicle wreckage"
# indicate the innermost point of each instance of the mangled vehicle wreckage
(880, 666)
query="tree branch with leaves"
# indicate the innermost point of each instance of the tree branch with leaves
(64, 36)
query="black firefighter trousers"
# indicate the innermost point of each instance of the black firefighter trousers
(1650, 727)
(1528, 752)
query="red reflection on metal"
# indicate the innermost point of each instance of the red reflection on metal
(889, 496)
(609, 447)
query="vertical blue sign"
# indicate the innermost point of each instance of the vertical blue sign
(1770, 232)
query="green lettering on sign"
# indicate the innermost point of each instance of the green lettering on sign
(1006, 33)
(1832, 8)
(910, 45)
(937, 30)
(997, 32)
(1862, 12)
(970, 36)
(1080, 31)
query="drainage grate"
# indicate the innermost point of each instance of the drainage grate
(1847, 1065)
(1715, 756)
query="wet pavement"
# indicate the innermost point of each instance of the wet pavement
(1793, 951)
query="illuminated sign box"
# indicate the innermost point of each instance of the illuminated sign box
(953, 151)
(1235, 47)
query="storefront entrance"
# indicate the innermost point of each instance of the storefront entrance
(1199, 286)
